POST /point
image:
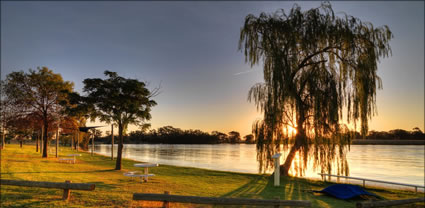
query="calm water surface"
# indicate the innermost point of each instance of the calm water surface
(403, 164)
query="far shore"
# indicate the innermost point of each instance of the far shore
(387, 142)
(354, 142)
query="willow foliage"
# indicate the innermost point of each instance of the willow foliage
(316, 66)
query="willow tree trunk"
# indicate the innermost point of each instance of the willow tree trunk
(120, 147)
(300, 139)
(284, 169)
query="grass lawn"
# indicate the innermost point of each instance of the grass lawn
(115, 190)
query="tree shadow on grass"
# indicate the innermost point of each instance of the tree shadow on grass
(37, 203)
(262, 187)
(17, 194)
(102, 185)
(17, 160)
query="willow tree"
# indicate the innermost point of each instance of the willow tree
(317, 66)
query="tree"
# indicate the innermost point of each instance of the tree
(6, 115)
(221, 137)
(417, 133)
(316, 65)
(234, 137)
(249, 139)
(399, 134)
(120, 101)
(21, 127)
(96, 133)
(417, 129)
(37, 93)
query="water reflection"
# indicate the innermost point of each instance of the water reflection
(404, 164)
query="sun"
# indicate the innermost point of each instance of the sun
(291, 130)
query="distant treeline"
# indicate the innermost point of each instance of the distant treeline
(172, 135)
(397, 134)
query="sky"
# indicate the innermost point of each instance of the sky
(190, 50)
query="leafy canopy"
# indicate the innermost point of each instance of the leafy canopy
(37, 94)
(117, 99)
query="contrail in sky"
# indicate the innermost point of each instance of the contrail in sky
(243, 72)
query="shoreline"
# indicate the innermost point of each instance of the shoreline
(113, 189)
(387, 142)
(372, 185)
(312, 179)
(354, 142)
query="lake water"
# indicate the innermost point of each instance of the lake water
(396, 163)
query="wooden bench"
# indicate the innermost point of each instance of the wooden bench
(67, 186)
(138, 174)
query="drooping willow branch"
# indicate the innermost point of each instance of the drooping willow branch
(316, 65)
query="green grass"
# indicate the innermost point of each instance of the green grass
(115, 190)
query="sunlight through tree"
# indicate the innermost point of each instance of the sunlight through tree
(316, 65)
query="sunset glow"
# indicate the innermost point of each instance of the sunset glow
(207, 90)
(212, 103)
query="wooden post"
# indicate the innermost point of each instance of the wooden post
(92, 144)
(57, 140)
(276, 198)
(276, 173)
(46, 184)
(78, 139)
(112, 143)
(166, 203)
(146, 173)
(66, 192)
(72, 142)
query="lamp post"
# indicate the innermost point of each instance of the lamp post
(78, 140)
(57, 139)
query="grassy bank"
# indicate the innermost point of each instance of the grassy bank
(115, 190)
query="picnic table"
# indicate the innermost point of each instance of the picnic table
(146, 174)
(73, 159)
